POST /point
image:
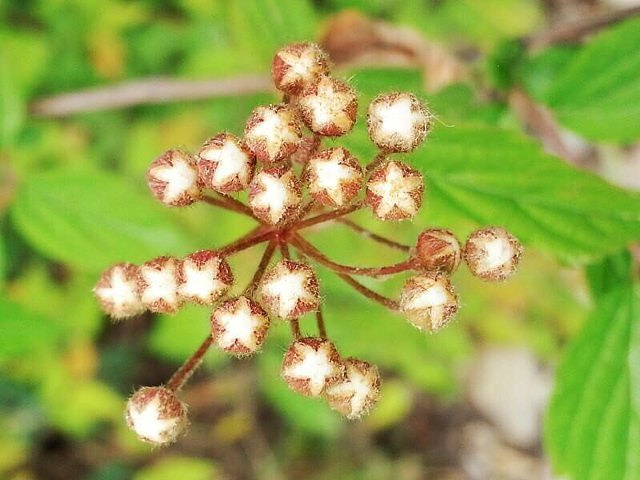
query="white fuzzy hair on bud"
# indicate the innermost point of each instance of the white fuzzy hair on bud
(334, 177)
(118, 293)
(239, 326)
(394, 191)
(225, 164)
(289, 289)
(310, 365)
(158, 285)
(275, 194)
(295, 66)
(204, 277)
(329, 107)
(397, 122)
(173, 178)
(492, 253)
(272, 133)
(156, 415)
(429, 301)
(357, 392)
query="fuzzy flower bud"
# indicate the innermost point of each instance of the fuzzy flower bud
(297, 65)
(429, 301)
(158, 285)
(492, 253)
(397, 122)
(275, 194)
(272, 133)
(173, 178)
(239, 326)
(117, 291)
(437, 250)
(394, 191)
(203, 277)
(289, 289)
(334, 177)
(355, 393)
(156, 415)
(225, 164)
(329, 107)
(310, 365)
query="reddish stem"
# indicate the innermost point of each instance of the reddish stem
(229, 203)
(295, 328)
(367, 292)
(322, 329)
(373, 236)
(262, 266)
(318, 256)
(325, 217)
(184, 373)
(247, 242)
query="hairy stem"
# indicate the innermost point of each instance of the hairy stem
(184, 373)
(262, 266)
(295, 328)
(229, 203)
(319, 257)
(246, 242)
(325, 217)
(367, 292)
(322, 329)
(373, 236)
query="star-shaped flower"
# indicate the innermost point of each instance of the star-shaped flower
(239, 326)
(225, 164)
(272, 133)
(158, 285)
(203, 277)
(275, 194)
(394, 191)
(359, 389)
(492, 253)
(334, 177)
(297, 65)
(397, 122)
(173, 178)
(329, 107)
(310, 365)
(156, 415)
(290, 289)
(429, 301)
(118, 293)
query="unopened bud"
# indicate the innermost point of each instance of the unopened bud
(329, 107)
(118, 293)
(275, 194)
(173, 178)
(437, 250)
(290, 289)
(158, 285)
(239, 326)
(225, 164)
(272, 133)
(334, 177)
(296, 65)
(357, 392)
(203, 277)
(394, 191)
(429, 301)
(492, 253)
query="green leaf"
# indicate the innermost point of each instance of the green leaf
(91, 220)
(173, 467)
(25, 333)
(593, 423)
(3, 260)
(597, 92)
(492, 176)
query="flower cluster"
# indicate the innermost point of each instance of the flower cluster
(293, 183)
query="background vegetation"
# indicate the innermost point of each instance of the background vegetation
(538, 109)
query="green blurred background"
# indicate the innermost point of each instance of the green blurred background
(73, 200)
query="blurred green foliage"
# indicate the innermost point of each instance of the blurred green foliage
(73, 200)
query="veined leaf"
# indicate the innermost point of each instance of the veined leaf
(90, 220)
(597, 92)
(493, 176)
(593, 422)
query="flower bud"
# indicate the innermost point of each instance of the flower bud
(173, 178)
(117, 291)
(289, 289)
(492, 253)
(310, 365)
(329, 107)
(272, 133)
(158, 285)
(239, 326)
(225, 164)
(203, 277)
(397, 122)
(275, 194)
(156, 415)
(295, 66)
(437, 250)
(334, 177)
(429, 301)
(355, 393)
(394, 191)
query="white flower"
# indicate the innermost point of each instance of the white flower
(204, 277)
(290, 289)
(239, 326)
(173, 178)
(394, 191)
(225, 164)
(310, 365)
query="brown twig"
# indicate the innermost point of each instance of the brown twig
(373, 236)
(311, 251)
(245, 242)
(295, 328)
(147, 91)
(576, 31)
(229, 203)
(367, 292)
(322, 328)
(178, 379)
(262, 266)
(325, 217)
